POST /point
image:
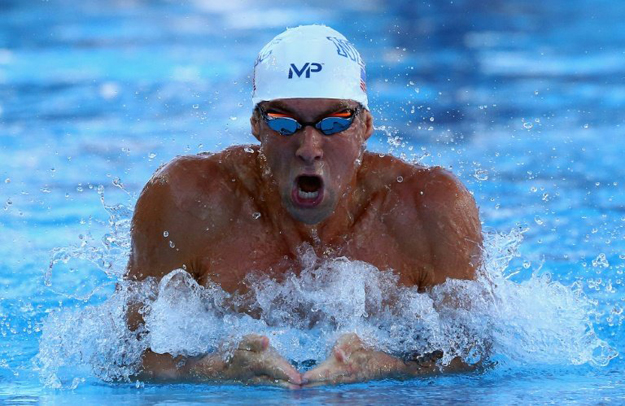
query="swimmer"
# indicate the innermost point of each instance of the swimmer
(309, 181)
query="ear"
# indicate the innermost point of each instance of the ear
(368, 119)
(255, 124)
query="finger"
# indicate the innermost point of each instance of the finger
(254, 342)
(327, 372)
(346, 345)
(265, 380)
(275, 366)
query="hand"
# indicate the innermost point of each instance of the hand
(254, 362)
(352, 361)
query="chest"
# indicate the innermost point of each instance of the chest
(256, 247)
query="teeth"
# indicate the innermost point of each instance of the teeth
(307, 195)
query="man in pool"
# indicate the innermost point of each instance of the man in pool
(310, 181)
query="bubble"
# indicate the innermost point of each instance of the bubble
(151, 155)
(171, 244)
(480, 174)
(528, 125)
(400, 179)
(7, 180)
(256, 215)
(249, 150)
(601, 261)
(165, 233)
(233, 118)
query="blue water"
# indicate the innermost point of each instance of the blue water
(522, 99)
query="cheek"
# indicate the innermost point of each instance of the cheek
(277, 155)
(344, 155)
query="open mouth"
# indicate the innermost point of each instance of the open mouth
(308, 190)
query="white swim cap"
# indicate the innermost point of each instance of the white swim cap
(310, 61)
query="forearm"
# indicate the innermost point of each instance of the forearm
(165, 367)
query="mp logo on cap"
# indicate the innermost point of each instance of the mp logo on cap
(309, 67)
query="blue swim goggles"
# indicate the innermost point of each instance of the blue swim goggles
(332, 124)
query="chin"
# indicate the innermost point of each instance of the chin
(310, 215)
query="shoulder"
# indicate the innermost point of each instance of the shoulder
(185, 204)
(430, 212)
(198, 185)
(427, 189)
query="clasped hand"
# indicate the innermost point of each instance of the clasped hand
(255, 361)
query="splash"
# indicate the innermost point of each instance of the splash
(537, 321)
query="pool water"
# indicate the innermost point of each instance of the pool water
(522, 99)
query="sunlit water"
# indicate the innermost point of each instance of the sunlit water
(521, 99)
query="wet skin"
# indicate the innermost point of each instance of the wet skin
(309, 188)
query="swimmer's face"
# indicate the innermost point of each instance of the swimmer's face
(311, 170)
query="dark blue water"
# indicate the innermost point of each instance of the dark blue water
(521, 99)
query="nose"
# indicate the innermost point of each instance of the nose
(310, 149)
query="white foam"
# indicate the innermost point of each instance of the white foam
(537, 321)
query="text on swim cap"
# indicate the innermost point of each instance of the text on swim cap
(345, 49)
(309, 67)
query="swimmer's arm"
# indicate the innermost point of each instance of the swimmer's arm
(440, 229)
(353, 361)
(451, 216)
(169, 210)
(254, 361)
(441, 226)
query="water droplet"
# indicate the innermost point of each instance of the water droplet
(249, 150)
(586, 126)
(196, 106)
(601, 261)
(481, 174)
(233, 118)
(400, 179)
(151, 155)
(256, 215)
(431, 118)
(79, 188)
(527, 264)
(528, 125)
(45, 189)
(538, 220)
(171, 244)
(7, 180)
(165, 233)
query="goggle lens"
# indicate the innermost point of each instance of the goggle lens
(283, 125)
(333, 125)
(328, 125)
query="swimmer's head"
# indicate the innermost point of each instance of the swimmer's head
(310, 61)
